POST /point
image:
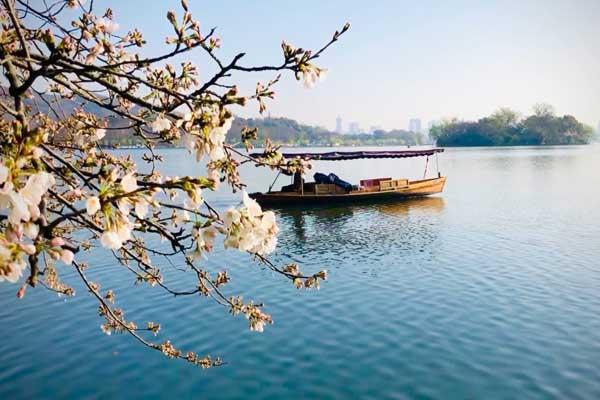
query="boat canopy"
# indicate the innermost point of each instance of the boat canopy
(354, 155)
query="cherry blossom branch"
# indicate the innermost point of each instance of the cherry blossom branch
(63, 191)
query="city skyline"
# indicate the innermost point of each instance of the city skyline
(415, 125)
(339, 128)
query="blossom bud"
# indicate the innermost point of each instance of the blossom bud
(57, 242)
(171, 17)
(28, 248)
(66, 256)
(21, 292)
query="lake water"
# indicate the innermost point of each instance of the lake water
(489, 290)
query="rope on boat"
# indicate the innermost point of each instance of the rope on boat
(426, 163)
(273, 184)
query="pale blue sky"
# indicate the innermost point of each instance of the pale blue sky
(404, 59)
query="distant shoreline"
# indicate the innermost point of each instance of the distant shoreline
(321, 146)
(518, 145)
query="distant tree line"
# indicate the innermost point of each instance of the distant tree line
(507, 127)
(281, 131)
(285, 131)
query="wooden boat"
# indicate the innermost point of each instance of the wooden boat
(379, 189)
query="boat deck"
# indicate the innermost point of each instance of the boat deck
(325, 194)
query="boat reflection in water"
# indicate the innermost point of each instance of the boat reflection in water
(427, 204)
(338, 232)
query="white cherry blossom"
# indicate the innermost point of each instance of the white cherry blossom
(124, 231)
(195, 199)
(92, 205)
(99, 134)
(309, 78)
(19, 209)
(217, 153)
(37, 185)
(66, 256)
(31, 230)
(37, 153)
(107, 25)
(12, 271)
(160, 124)
(111, 240)
(181, 217)
(231, 216)
(252, 206)
(141, 208)
(3, 173)
(129, 183)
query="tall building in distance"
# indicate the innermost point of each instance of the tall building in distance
(338, 125)
(414, 125)
(353, 128)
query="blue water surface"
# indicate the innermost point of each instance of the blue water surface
(489, 290)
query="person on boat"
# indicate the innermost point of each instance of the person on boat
(296, 186)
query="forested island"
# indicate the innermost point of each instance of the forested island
(506, 127)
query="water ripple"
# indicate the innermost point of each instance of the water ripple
(489, 291)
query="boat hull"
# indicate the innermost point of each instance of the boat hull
(420, 188)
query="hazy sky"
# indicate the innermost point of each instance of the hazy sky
(404, 59)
